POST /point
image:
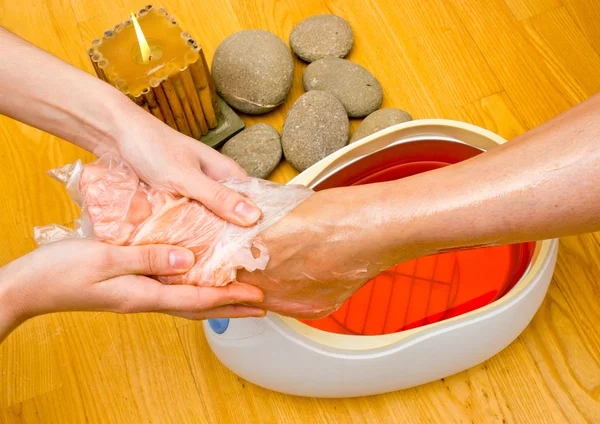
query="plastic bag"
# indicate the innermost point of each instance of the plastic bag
(117, 208)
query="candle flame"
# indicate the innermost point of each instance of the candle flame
(144, 47)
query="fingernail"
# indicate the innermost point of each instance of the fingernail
(259, 313)
(247, 212)
(181, 259)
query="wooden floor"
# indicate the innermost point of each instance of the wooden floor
(507, 65)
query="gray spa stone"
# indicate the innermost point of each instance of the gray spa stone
(379, 120)
(354, 86)
(321, 36)
(253, 71)
(316, 126)
(257, 149)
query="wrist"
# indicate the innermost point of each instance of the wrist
(113, 119)
(107, 123)
(132, 125)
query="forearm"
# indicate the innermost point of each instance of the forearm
(8, 318)
(41, 90)
(541, 185)
(7, 326)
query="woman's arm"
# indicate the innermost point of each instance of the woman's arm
(41, 90)
(86, 275)
(541, 185)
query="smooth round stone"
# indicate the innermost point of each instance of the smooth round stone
(253, 71)
(316, 126)
(257, 149)
(379, 120)
(354, 86)
(321, 36)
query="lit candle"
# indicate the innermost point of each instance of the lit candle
(162, 69)
(144, 46)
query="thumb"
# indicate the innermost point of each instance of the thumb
(223, 201)
(154, 259)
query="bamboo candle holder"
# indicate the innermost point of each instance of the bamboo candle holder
(175, 85)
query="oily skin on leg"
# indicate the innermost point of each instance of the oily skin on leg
(541, 185)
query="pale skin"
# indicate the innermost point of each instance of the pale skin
(541, 185)
(41, 90)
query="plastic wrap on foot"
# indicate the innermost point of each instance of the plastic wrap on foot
(117, 208)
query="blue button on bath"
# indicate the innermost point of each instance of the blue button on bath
(219, 325)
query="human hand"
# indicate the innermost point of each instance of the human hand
(324, 251)
(169, 160)
(86, 275)
(71, 104)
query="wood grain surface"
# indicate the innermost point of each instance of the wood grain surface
(506, 65)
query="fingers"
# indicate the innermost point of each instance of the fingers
(147, 260)
(194, 299)
(223, 201)
(220, 167)
(128, 294)
(229, 311)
